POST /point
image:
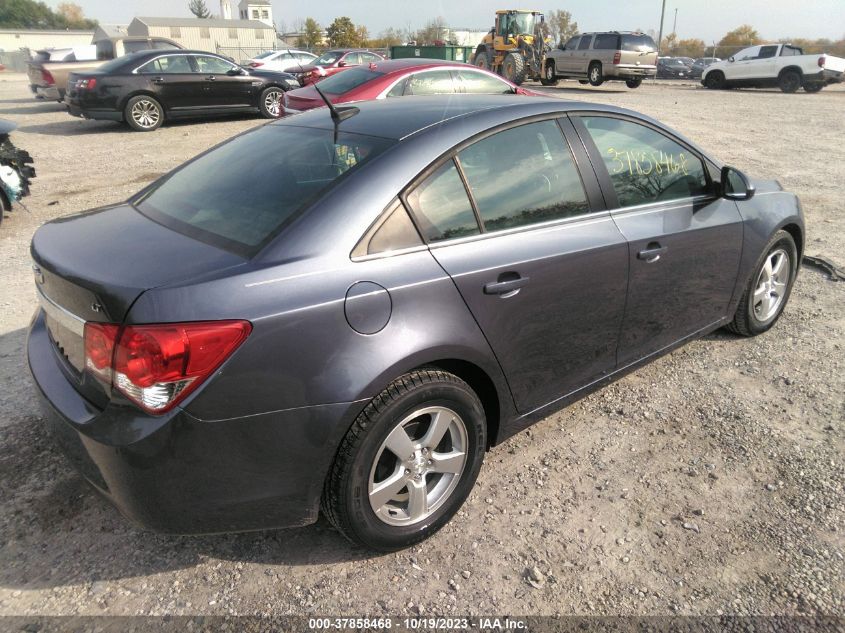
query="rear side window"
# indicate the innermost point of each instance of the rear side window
(175, 64)
(645, 166)
(239, 195)
(538, 182)
(767, 51)
(788, 51)
(394, 232)
(441, 206)
(585, 42)
(638, 42)
(212, 65)
(347, 80)
(479, 83)
(606, 41)
(437, 82)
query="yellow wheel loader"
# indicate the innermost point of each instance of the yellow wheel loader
(515, 47)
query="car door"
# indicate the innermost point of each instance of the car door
(226, 85)
(684, 241)
(175, 83)
(742, 66)
(581, 59)
(541, 266)
(765, 66)
(564, 56)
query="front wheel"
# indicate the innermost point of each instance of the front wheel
(482, 60)
(715, 80)
(769, 287)
(270, 102)
(549, 76)
(789, 81)
(633, 83)
(408, 462)
(513, 68)
(813, 87)
(143, 114)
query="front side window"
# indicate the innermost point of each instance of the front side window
(442, 207)
(213, 65)
(538, 181)
(480, 83)
(748, 53)
(437, 82)
(572, 44)
(585, 42)
(644, 165)
(172, 64)
(240, 194)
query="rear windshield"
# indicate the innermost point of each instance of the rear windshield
(119, 62)
(639, 43)
(347, 80)
(241, 194)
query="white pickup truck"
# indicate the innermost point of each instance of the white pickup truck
(781, 65)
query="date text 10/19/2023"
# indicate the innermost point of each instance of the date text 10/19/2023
(418, 624)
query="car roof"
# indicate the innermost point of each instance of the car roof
(402, 118)
(391, 65)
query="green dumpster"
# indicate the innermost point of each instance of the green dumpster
(446, 53)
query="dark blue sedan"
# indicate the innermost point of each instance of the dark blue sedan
(345, 312)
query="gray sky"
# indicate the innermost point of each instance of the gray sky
(707, 19)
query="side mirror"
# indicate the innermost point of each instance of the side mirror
(341, 64)
(735, 185)
(234, 72)
(731, 59)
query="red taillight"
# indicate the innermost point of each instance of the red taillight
(821, 61)
(617, 57)
(157, 366)
(87, 84)
(256, 64)
(47, 76)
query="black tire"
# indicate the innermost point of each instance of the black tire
(270, 102)
(483, 59)
(789, 81)
(134, 117)
(594, 74)
(513, 67)
(747, 321)
(715, 80)
(549, 77)
(346, 494)
(813, 87)
(583, 82)
(633, 83)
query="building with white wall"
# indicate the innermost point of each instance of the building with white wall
(256, 10)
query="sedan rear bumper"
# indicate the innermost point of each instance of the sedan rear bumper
(97, 115)
(178, 474)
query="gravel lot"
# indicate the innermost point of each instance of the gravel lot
(709, 482)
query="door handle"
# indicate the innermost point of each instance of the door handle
(158, 80)
(211, 78)
(507, 285)
(652, 252)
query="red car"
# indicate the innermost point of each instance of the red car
(334, 61)
(398, 78)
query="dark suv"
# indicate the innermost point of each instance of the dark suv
(598, 57)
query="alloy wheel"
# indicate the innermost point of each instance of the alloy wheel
(771, 285)
(273, 102)
(146, 113)
(418, 466)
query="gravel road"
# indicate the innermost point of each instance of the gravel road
(709, 482)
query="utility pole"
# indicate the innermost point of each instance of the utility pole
(660, 34)
(675, 23)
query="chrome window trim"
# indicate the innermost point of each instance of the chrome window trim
(59, 314)
(663, 205)
(385, 254)
(180, 52)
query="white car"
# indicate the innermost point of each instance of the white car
(286, 60)
(781, 65)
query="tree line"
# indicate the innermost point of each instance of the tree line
(29, 14)
(743, 37)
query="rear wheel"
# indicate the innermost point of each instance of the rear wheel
(715, 80)
(549, 76)
(789, 81)
(408, 462)
(595, 74)
(768, 289)
(482, 59)
(270, 102)
(813, 87)
(143, 114)
(583, 82)
(633, 83)
(513, 68)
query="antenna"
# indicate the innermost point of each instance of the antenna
(338, 114)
